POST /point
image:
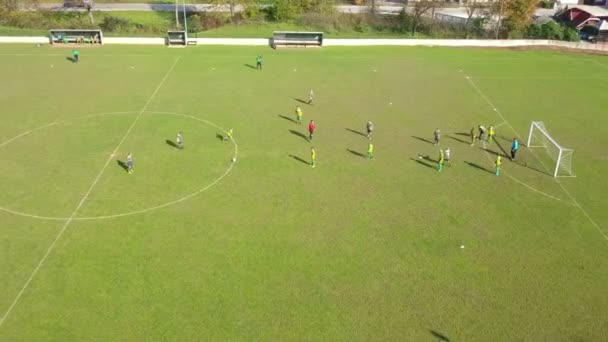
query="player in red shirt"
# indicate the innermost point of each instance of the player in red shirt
(311, 129)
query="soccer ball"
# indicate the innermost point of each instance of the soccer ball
(233, 160)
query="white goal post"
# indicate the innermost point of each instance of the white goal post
(539, 137)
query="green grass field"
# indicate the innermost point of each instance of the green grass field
(354, 249)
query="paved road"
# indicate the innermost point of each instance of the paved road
(387, 8)
(125, 7)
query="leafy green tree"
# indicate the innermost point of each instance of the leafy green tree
(519, 15)
(234, 5)
(420, 8)
(13, 5)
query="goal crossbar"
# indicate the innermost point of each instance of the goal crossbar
(538, 136)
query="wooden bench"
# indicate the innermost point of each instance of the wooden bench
(297, 39)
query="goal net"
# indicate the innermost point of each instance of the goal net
(539, 137)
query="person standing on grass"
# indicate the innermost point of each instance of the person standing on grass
(473, 130)
(437, 136)
(313, 157)
(130, 163)
(228, 135)
(441, 160)
(514, 148)
(311, 129)
(482, 133)
(298, 115)
(370, 150)
(498, 164)
(370, 129)
(258, 62)
(491, 134)
(75, 55)
(311, 96)
(179, 140)
(448, 156)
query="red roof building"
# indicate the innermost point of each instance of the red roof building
(583, 15)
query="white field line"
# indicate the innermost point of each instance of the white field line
(599, 63)
(63, 54)
(547, 78)
(591, 220)
(26, 133)
(86, 195)
(179, 200)
(41, 217)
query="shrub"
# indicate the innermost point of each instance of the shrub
(534, 31)
(571, 35)
(195, 23)
(552, 30)
(114, 24)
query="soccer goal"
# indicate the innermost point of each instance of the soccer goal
(539, 137)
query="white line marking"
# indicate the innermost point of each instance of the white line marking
(86, 195)
(61, 54)
(142, 210)
(26, 133)
(540, 192)
(537, 157)
(500, 124)
(600, 64)
(547, 78)
(217, 180)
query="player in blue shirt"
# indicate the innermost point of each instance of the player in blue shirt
(514, 148)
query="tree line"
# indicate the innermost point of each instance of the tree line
(499, 19)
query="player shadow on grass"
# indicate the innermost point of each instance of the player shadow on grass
(249, 66)
(287, 118)
(299, 159)
(460, 140)
(356, 132)
(171, 143)
(71, 59)
(220, 136)
(123, 165)
(479, 167)
(423, 163)
(524, 164)
(439, 336)
(358, 154)
(300, 100)
(302, 135)
(422, 139)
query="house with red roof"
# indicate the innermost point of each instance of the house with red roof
(583, 15)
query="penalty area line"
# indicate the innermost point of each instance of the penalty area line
(84, 198)
(574, 201)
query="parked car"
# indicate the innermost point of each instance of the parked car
(588, 33)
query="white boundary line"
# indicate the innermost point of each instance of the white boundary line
(26, 133)
(217, 180)
(235, 155)
(599, 63)
(63, 54)
(574, 201)
(86, 195)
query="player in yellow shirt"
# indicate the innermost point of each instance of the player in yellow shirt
(498, 164)
(370, 150)
(440, 161)
(491, 134)
(313, 157)
(228, 135)
(298, 115)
